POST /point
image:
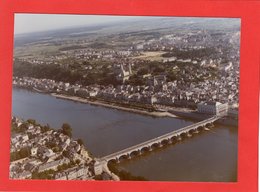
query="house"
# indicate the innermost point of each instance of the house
(23, 175)
(78, 172)
(52, 165)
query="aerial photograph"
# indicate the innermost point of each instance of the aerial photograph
(125, 98)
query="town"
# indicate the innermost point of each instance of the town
(150, 67)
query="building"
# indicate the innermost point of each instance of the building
(34, 151)
(74, 173)
(156, 80)
(52, 165)
(98, 168)
(213, 108)
(124, 74)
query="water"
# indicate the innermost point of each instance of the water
(209, 156)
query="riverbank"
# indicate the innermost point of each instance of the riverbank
(111, 105)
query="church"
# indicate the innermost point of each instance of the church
(124, 73)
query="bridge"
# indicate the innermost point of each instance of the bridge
(160, 141)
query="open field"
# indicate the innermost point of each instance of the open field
(151, 56)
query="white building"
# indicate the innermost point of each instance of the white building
(34, 151)
(212, 108)
(98, 168)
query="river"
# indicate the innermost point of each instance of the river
(207, 156)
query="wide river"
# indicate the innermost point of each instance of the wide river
(207, 156)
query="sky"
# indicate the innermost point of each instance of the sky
(26, 23)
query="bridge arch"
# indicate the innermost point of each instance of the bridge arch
(174, 138)
(155, 145)
(192, 131)
(134, 153)
(165, 142)
(200, 128)
(123, 157)
(145, 149)
(208, 125)
(114, 161)
(183, 135)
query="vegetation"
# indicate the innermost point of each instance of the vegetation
(72, 47)
(71, 73)
(65, 166)
(22, 153)
(80, 141)
(124, 175)
(98, 177)
(190, 54)
(76, 71)
(45, 128)
(66, 129)
(48, 174)
(22, 128)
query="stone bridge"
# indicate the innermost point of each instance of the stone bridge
(160, 141)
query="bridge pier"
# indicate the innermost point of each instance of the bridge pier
(211, 125)
(196, 131)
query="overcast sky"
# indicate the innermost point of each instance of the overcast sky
(25, 23)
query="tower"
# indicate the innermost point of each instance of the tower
(130, 69)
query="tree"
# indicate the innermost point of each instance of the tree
(32, 121)
(142, 71)
(56, 149)
(172, 76)
(77, 161)
(59, 168)
(23, 127)
(45, 128)
(24, 152)
(66, 154)
(51, 144)
(66, 129)
(158, 70)
(80, 142)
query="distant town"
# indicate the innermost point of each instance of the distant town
(164, 71)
